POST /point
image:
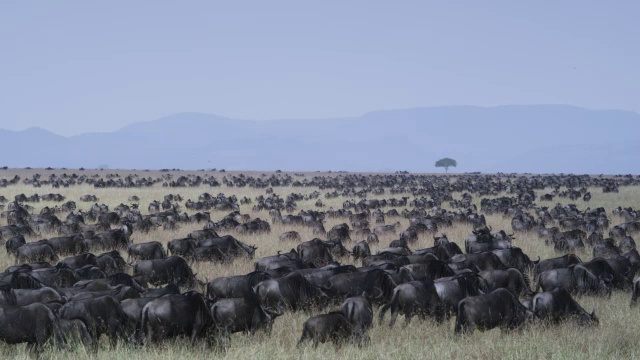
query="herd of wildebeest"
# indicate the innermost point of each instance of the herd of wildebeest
(87, 278)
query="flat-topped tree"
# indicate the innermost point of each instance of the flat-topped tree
(446, 163)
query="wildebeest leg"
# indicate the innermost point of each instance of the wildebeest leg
(304, 337)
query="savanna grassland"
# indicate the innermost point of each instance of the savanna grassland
(616, 337)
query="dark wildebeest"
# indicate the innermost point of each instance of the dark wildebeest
(635, 292)
(576, 279)
(229, 246)
(557, 305)
(33, 324)
(359, 313)
(234, 286)
(361, 250)
(35, 252)
(556, 263)
(78, 261)
(290, 236)
(510, 279)
(334, 327)
(173, 269)
(377, 283)
(453, 289)
(516, 258)
(427, 269)
(203, 234)
(320, 276)
(183, 247)
(292, 291)
(606, 249)
(146, 251)
(267, 261)
(173, 315)
(75, 331)
(244, 314)
(601, 268)
(14, 243)
(483, 261)
(499, 308)
(414, 298)
(627, 244)
(65, 245)
(102, 315)
(314, 253)
(339, 232)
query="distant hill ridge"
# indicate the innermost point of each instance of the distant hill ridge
(514, 138)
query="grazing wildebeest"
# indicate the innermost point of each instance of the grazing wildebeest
(173, 315)
(557, 305)
(556, 263)
(146, 251)
(173, 269)
(510, 279)
(101, 315)
(576, 279)
(292, 291)
(35, 252)
(33, 324)
(244, 314)
(234, 286)
(334, 327)
(499, 308)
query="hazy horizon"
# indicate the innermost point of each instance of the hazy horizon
(75, 67)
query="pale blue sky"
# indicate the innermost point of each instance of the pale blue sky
(76, 66)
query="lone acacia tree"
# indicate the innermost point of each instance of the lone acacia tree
(446, 163)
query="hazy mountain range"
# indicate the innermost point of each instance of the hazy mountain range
(536, 138)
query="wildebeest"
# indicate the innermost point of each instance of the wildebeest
(414, 298)
(33, 324)
(267, 261)
(14, 243)
(334, 327)
(35, 252)
(234, 286)
(315, 253)
(557, 305)
(339, 232)
(101, 315)
(499, 308)
(292, 291)
(361, 250)
(377, 283)
(173, 269)
(290, 236)
(64, 245)
(358, 311)
(575, 279)
(75, 331)
(510, 279)
(635, 292)
(556, 263)
(146, 251)
(453, 289)
(244, 314)
(229, 246)
(483, 261)
(607, 249)
(173, 315)
(183, 247)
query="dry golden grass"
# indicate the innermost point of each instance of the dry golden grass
(616, 337)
